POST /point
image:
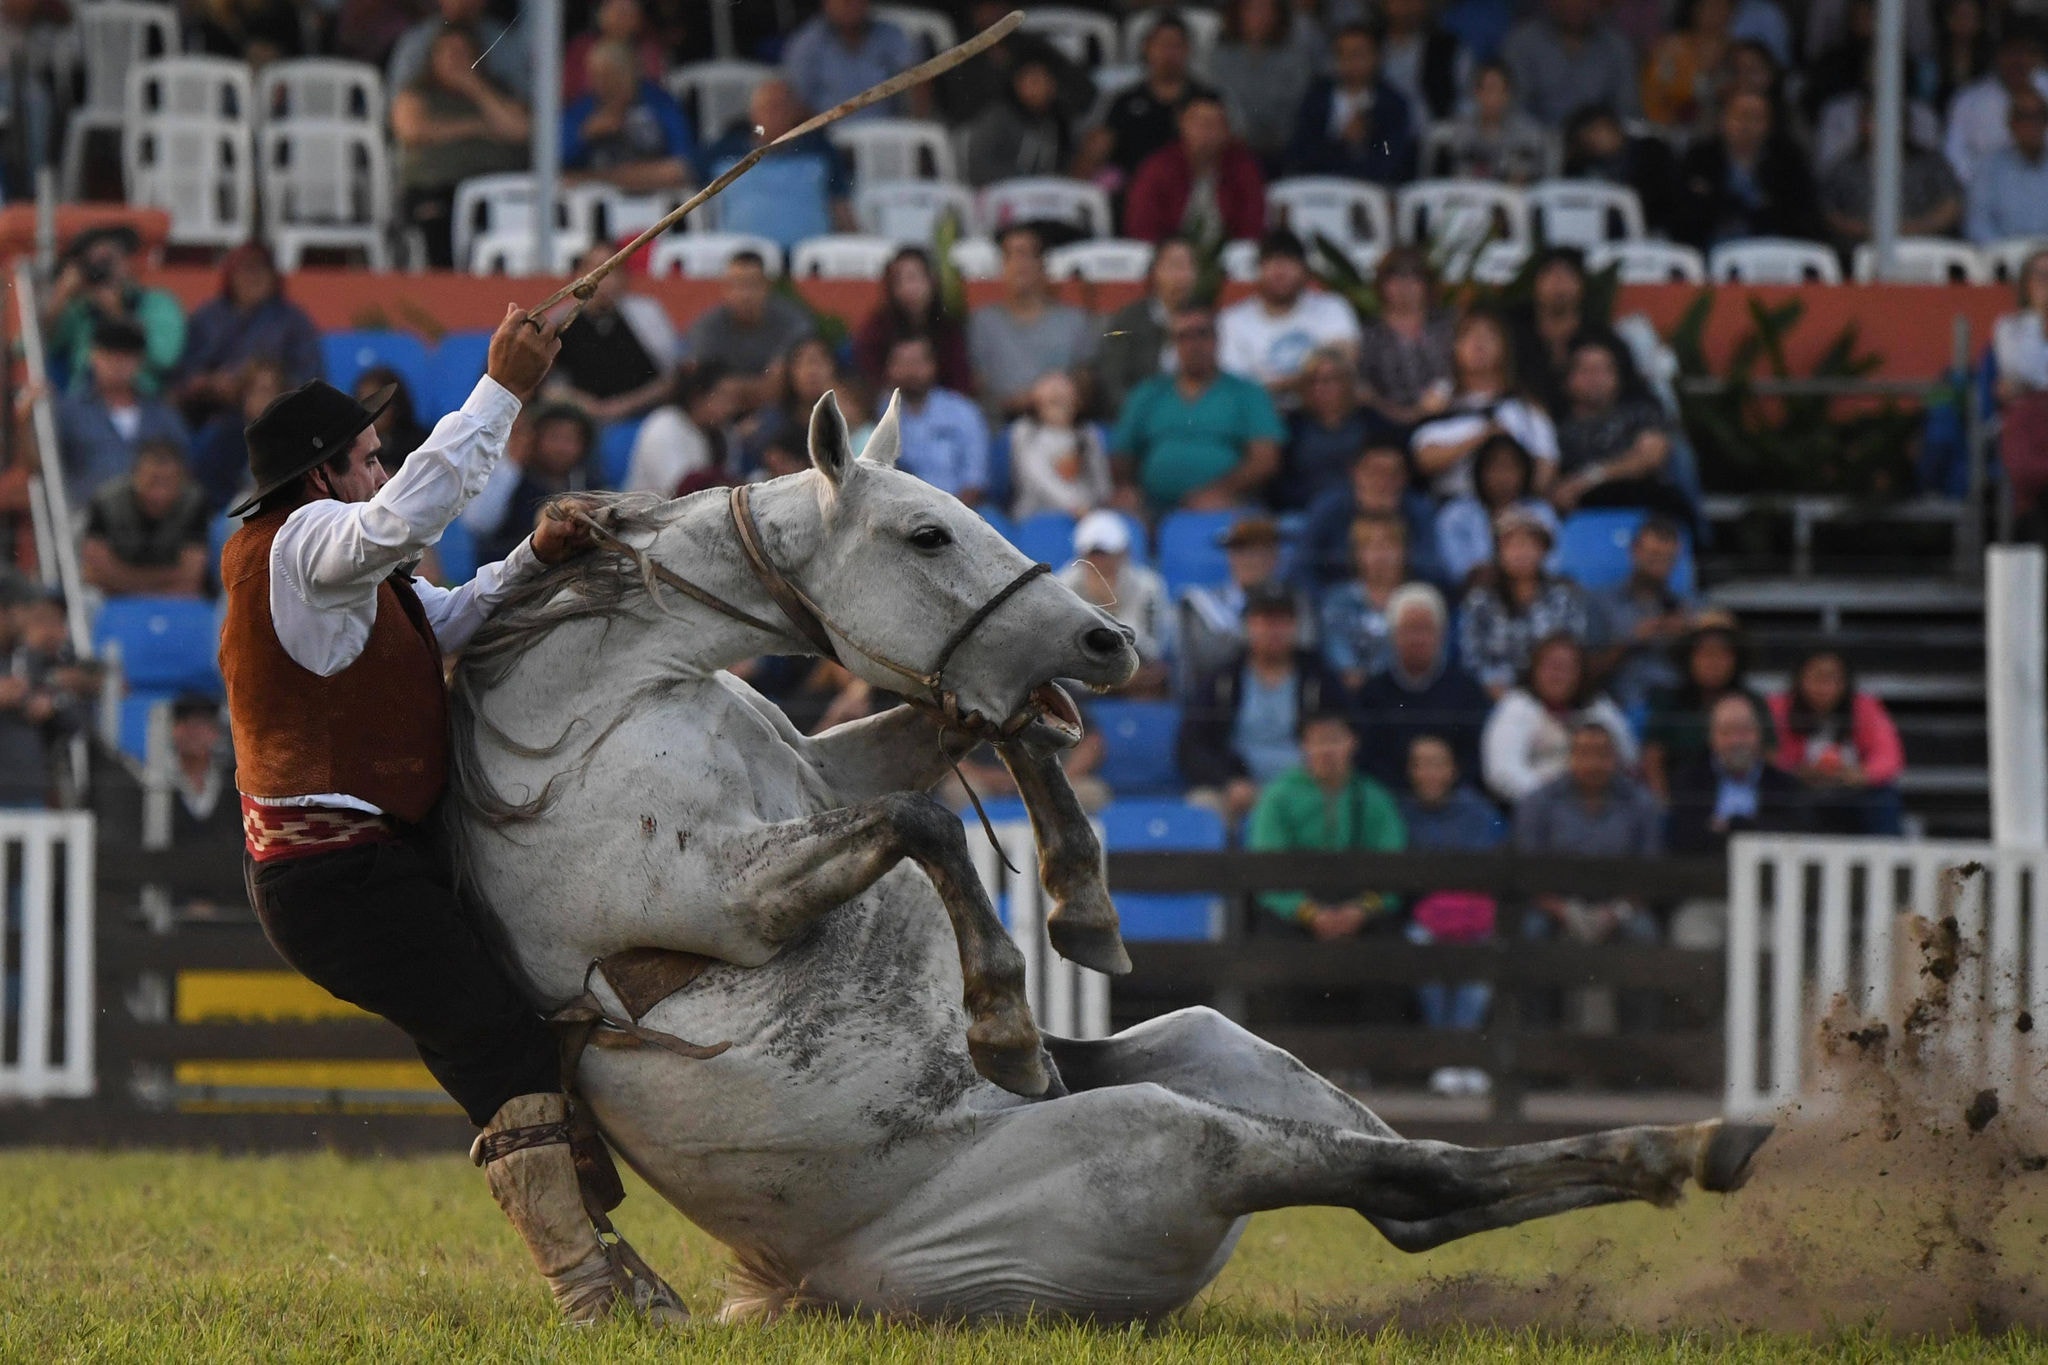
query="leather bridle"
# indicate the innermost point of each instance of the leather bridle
(825, 635)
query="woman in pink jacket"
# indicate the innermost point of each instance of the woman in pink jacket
(1841, 742)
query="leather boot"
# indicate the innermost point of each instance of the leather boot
(525, 1153)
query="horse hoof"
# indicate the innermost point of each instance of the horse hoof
(1723, 1167)
(1016, 1069)
(1097, 947)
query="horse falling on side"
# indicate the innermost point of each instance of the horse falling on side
(615, 789)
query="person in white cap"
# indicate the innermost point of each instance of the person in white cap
(1104, 573)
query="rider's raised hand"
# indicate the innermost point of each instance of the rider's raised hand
(522, 352)
(562, 530)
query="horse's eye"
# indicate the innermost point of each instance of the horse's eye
(931, 538)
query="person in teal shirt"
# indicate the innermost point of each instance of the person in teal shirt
(97, 283)
(1324, 806)
(1198, 439)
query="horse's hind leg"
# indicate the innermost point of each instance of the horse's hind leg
(782, 877)
(1083, 925)
(1204, 1055)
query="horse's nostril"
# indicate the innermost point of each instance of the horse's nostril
(1105, 639)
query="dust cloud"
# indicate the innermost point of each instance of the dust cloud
(1908, 1194)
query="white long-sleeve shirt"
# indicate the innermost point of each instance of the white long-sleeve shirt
(329, 557)
(1525, 745)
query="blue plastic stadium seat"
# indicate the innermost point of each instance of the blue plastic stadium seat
(1163, 826)
(348, 354)
(1048, 537)
(1137, 746)
(457, 552)
(1593, 549)
(168, 644)
(458, 362)
(1189, 556)
(615, 451)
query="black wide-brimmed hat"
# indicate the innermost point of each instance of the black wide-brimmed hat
(301, 428)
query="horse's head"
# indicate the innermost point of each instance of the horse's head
(907, 573)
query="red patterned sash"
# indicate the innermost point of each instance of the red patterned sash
(272, 833)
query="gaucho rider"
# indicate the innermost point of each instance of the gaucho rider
(332, 653)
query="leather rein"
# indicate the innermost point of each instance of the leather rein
(823, 634)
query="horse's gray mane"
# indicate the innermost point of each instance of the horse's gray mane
(603, 585)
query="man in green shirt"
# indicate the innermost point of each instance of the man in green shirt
(97, 282)
(1198, 439)
(1326, 805)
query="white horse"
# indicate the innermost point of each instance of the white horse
(616, 790)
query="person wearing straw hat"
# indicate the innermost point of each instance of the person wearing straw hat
(332, 654)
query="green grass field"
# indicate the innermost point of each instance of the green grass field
(153, 1257)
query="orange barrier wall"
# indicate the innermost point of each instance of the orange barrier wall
(1910, 326)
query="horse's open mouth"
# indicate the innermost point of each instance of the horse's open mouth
(1053, 715)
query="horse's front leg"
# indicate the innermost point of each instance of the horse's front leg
(783, 876)
(1083, 924)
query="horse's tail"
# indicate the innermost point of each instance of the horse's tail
(762, 1287)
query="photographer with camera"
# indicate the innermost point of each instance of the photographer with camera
(96, 283)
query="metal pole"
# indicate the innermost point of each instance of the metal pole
(1887, 85)
(545, 16)
(2015, 657)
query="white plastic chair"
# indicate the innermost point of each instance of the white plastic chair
(1460, 213)
(501, 206)
(1107, 260)
(322, 88)
(1084, 37)
(1499, 262)
(1585, 213)
(1774, 260)
(604, 213)
(716, 93)
(325, 184)
(1348, 212)
(1924, 260)
(703, 255)
(2007, 258)
(842, 256)
(1650, 262)
(1205, 30)
(1036, 198)
(911, 210)
(896, 149)
(512, 252)
(113, 36)
(190, 88)
(930, 32)
(977, 258)
(197, 170)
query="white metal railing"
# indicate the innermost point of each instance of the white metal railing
(55, 533)
(46, 955)
(1067, 1000)
(1826, 917)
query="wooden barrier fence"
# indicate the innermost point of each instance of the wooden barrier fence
(140, 1040)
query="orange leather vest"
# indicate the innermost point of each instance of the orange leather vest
(377, 730)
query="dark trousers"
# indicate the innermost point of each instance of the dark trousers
(380, 927)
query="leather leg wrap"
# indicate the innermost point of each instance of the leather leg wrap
(525, 1154)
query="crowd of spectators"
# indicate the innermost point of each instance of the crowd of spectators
(1392, 657)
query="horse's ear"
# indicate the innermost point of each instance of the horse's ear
(885, 443)
(831, 444)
